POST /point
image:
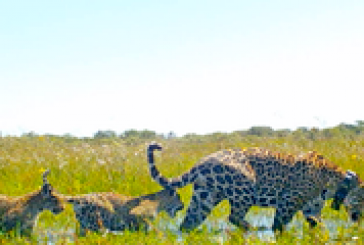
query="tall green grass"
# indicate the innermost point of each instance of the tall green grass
(83, 166)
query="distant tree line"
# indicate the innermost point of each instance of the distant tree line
(262, 131)
(132, 133)
(341, 130)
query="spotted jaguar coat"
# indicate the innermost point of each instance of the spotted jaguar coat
(115, 212)
(20, 213)
(255, 177)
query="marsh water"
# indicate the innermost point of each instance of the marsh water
(217, 227)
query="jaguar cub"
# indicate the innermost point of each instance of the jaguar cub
(21, 213)
(116, 212)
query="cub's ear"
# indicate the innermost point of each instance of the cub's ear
(45, 175)
(46, 187)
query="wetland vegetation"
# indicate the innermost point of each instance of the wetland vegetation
(111, 162)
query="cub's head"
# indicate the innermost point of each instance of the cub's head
(170, 201)
(50, 199)
(354, 203)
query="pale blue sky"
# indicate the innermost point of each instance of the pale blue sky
(184, 66)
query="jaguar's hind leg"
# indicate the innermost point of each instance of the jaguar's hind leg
(202, 202)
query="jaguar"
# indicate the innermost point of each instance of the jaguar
(20, 214)
(108, 211)
(258, 177)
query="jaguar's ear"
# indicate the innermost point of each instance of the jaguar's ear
(351, 180)
(351, 175)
